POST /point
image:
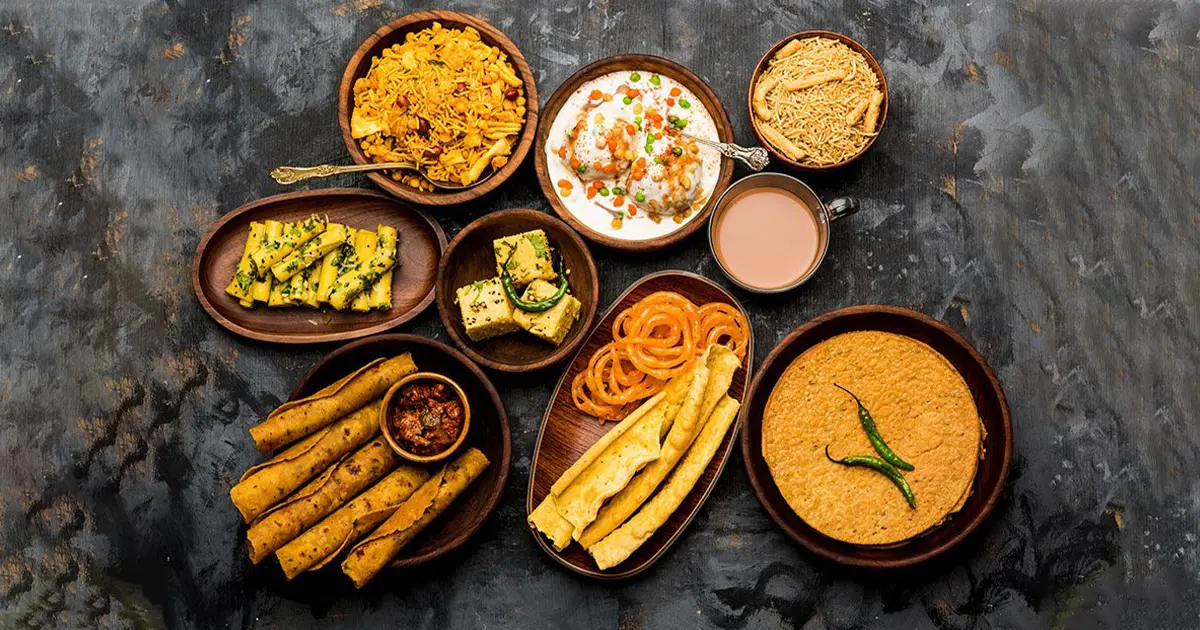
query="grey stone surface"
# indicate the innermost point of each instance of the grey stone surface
(1035, 188)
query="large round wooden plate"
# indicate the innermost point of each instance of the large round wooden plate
(420, 246)
(470, 257)
(989, 400)
(567, 432)
(488, 432)
(641, 63)
(393, 33)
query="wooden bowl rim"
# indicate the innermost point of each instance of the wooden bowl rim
(501, 483)
(720, 118)
(445, 301)
(490, 34)
(818, 543)
(725, 457)
(387, 432)
(762, 64)
(237, 329)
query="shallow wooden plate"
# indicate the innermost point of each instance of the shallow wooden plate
(488, 432)
(989, 399)
(421, 243)
(567, 432)
(638, 62)
(469, 258)
(393, 33)
(762, 66)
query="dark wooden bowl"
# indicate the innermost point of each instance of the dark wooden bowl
(488, 432)
(616, 64)
(469, 258)
(989, 399)
(566, 432)
(393, 33)
(762, 65)
(420, 246)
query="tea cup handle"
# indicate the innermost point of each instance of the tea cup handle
(841, 207)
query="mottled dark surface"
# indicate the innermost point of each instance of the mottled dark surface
(1035, 188)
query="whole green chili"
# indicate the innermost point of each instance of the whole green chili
(878, 465)
(538, 306)
(868, 425)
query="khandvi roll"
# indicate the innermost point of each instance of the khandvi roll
(366, 272)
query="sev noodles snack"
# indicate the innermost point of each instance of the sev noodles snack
(443, 100)
(654, 340)
(817, 102)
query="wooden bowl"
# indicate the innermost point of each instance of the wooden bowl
(420, 246)
(469, 258)
(989, 400)
(762, 65)
(387, 404)
(566, 432)
(638, 62)
(393, 33)
(488, 432)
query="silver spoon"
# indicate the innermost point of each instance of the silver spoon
(754, 157)
(293, 174)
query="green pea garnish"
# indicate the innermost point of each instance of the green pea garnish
(582, 168)
(678, 151)
(603, 191)
(627, 100)
(639, 197)
(635, 77)
(684, 103)
(654, 80)
(617, 190)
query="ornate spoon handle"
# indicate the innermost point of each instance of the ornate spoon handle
(754, 157)
(293, 174)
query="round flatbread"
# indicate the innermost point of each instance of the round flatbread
(922, 408)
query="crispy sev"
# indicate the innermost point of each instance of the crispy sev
(815, 97)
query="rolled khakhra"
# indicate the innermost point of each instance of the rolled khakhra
(325, 540)
(268, 483)
(323, 495)
(299, 418)
(721, 364)
(370, 556)
(619, 545)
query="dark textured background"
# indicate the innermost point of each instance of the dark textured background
(1035, 188)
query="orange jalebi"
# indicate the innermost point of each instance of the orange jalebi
(653, 341)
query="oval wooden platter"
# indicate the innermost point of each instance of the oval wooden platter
(469, 258)
(641, 63)
(420, 246)
(393, 33)
(566, 432)
(488, 432)
(989, 400)
(762, 66)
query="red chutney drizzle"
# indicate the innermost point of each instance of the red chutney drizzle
(425, 418)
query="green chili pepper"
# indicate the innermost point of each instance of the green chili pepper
(868, 425)
(878, 465)
(539, 306)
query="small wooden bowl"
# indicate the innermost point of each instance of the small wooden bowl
(469, 258)
(762, 66)
(489, 432)
(387, 404)
(989, 400)
(393, 33)
(639, 62)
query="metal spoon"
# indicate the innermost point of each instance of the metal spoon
(293, 174)
(754, 157)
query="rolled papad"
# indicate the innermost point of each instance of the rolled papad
(709, 385)
(298, 418)
(619, 545)
(324, 541)
(370, 556)
(321, 496)
(268, 483)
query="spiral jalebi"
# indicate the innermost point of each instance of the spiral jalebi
(653, 341)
